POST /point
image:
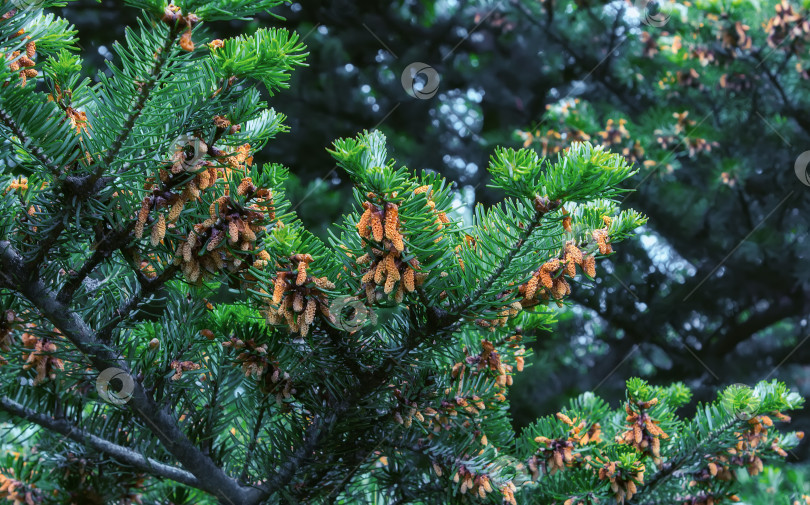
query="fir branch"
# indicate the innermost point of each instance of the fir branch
(504, 264)
(25, 140)
(88, 185)
(437, 321)
(675, 463)
(211, 478)
(148, 287)
(257, 427)
(137, 107)
(315, 434)
(44, 246)
(112, 241)
(120, 453)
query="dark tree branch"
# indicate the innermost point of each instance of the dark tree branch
(36, 152)
(211, 478)
(44, 246)
(734, 332)
(123, 312)
(614, 30)
(787, 105)
(113, 240)
(120, 453)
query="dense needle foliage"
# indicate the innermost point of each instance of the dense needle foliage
(171, 332)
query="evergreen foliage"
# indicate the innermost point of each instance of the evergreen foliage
(171, 333)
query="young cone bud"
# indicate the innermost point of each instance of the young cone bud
(175, 211)
(302, 273)
(391, 220)
(408, 280)
(589, 266)
(158, 231)
(365, 222)
(233, 232)
(377, 227)
(278, 289)
(185, 41)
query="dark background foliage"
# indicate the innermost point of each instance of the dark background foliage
(712, 292)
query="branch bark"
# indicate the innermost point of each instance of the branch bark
(120, 453)
(211, 478)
